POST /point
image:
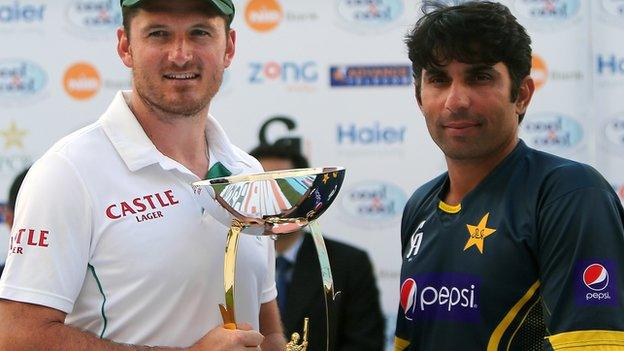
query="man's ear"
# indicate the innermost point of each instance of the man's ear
(230, 47)
(123, 47)
(525, 93)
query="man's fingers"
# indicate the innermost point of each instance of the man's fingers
(251, 338)
(244, 326)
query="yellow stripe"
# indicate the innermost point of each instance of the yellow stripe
(521, 323)
(400, 344)
(511, 315)
(588, 340)
(449, 208)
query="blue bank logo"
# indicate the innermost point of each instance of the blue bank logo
(358, 76)
(370, 14)
(373, 201)
(95, 14)
(22, 12)
(373, 134)
(20, 79)
(548, 11)
(283, 72)
(552, 132)
(614, 131)
(609, 65)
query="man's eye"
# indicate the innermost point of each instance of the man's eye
(200, 32)
(437, 80)
(158, 34)
(482, 77)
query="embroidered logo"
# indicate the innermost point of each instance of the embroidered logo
(478, 233)
(415, 241)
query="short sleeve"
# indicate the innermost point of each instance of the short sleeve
(269, 290)
(50, 239)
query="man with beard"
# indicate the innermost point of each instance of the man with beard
(512, 248)
(110, 249)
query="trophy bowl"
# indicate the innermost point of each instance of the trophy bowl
(273, 203)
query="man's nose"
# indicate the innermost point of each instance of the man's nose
(458, 98)
(181, 53)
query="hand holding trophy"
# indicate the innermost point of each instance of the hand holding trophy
(275, 203)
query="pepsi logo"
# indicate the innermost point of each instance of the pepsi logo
(408, 300)
(596, 277)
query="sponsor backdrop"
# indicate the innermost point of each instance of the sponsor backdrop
(331, 77)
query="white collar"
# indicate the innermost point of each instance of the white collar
(138, 151)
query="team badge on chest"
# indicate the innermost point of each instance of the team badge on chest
(478, 233)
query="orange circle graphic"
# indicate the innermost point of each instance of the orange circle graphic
(539, 71)
(263, 15)
(81, 81)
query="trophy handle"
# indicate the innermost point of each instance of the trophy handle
(229, 271)
(328, 282)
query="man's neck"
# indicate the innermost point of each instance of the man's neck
(465, 175)
(181, 138)
(285, 242)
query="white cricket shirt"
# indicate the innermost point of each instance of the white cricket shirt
(108, 230)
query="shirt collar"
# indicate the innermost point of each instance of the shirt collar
(138, 151)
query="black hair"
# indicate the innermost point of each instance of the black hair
(280, 152)
(473, 32)
(15, 186)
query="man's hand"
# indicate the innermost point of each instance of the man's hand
(221, 339)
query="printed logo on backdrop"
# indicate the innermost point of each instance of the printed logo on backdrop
(293, 76)
(609, 69)
(21, 81)
(289, 140)
(373, 203)
(373, 75)
(542, 74)
(370, 16)
(93, 19)
(366, 139)
(22, 15)
(266, 15)
(614, 134)
(548, 14)
(13, 158)
(612, 12)
(82, 81)
(552, 132)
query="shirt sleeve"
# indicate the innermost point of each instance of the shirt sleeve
(581, 258)
(50, 238)
(269, 290)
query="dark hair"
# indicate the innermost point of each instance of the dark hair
(15, 186)
(474, 32)
(128, 13)
(280, 152)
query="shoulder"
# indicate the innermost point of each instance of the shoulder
(422, 195)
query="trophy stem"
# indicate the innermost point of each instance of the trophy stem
(328, 282)
(229, 274)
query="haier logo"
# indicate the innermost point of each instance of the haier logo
(614, 131)
(21, 12)
(20, 78)
(548, 11)
(375, 134)
(552, 131)
(610, 65)
(284, 72)
(595, 283)
(95, 14)
(444, 296)
(374, 202)
(370, 14)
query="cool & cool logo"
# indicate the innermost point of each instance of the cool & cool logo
(444, 296)
(614, 131)
(20, 78)
(370, 14)
(552, 131)
(94, 14)
(374, 201)
(21, 12)
(614, 7)
(547, 11)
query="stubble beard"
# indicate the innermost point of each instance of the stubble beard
(168, 108)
